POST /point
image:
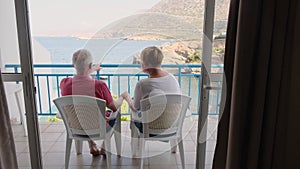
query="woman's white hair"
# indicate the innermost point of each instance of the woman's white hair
(81, 60)
(152, 56)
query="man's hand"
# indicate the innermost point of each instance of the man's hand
(95, 68)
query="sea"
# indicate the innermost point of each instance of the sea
(103, 50)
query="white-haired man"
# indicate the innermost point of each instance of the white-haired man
(83, 84)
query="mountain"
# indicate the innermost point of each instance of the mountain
(168, 19)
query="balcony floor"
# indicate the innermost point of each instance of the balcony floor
(53, 137)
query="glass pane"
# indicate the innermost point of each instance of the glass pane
(9, 48)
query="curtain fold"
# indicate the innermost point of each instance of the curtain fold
(258, 55)
(8, 158)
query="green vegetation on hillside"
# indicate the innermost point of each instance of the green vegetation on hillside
(195, 57)
(219, 50)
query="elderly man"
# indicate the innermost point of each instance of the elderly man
(83, 84)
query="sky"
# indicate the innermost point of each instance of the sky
(80, 17)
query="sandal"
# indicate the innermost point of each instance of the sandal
(94, 149)
(102, 152)
(95, 153)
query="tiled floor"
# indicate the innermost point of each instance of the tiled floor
(158, 153)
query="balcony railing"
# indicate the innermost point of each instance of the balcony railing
(119, 77)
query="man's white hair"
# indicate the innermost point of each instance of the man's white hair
(82, 58)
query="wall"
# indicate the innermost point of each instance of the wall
(8, 32)
(9, 52)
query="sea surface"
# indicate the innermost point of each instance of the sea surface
(103, 50)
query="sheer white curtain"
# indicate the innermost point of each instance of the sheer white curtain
(8, 158)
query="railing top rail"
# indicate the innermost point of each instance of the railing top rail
(109, 74)
(114, 65)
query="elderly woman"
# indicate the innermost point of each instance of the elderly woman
(159, 81)
(83, 84)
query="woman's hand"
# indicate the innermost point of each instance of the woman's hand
(128, 99)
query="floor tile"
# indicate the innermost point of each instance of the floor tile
(157, 154)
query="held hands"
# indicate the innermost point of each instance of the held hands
(126, 96)
(128, 99)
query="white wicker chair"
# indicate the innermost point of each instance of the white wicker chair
(84, 119)
(162, 118)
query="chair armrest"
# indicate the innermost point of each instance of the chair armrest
(113, 115)
(136, 116)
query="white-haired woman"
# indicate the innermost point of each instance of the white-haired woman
(159, 81)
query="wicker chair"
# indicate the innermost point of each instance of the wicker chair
(84, 119)
(162, 118)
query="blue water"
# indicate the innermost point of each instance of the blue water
(103, 50)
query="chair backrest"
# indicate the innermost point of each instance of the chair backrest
(164, 114)
(82, 115)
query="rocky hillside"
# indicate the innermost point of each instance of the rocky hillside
(192, 11)
(175, 19)
(147, 26)
(181, 20)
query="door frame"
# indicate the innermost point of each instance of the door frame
(27, 79)
(24, 39)
(208, 28)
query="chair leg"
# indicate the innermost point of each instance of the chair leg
(68, 152)
(141, 151)
(134, 146)
(173, 144)
(181, 151)
(78, 145)
(117, 133)
(108, 152)
(134, 140)
(118, 142)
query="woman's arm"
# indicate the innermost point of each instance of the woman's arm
(137, 96)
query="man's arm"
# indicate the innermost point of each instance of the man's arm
(115, 104)
(126, 97)
(95, 68)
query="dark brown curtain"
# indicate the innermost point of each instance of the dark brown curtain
(8, 158)
(259, 127)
